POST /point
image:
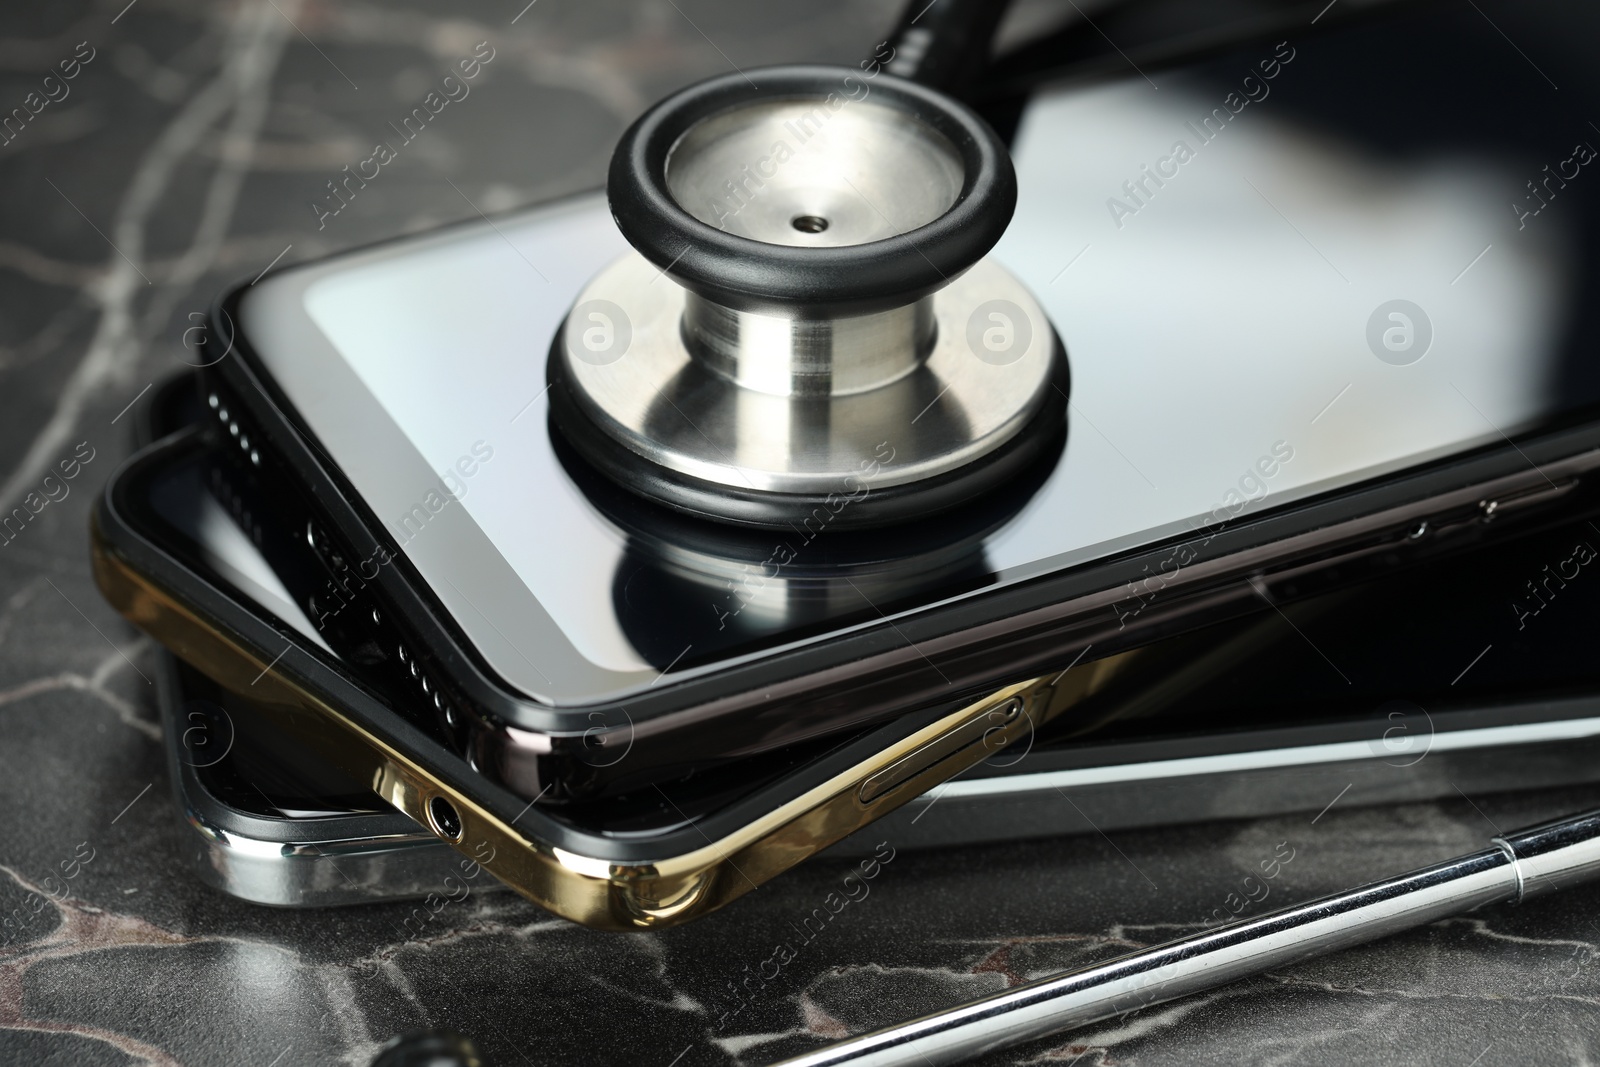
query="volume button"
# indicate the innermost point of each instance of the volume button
(975, 731)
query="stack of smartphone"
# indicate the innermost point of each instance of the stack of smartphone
(1238, 718)
(418, 635)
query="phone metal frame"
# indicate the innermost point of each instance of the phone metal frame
(350, 858)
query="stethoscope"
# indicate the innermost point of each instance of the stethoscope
(807, 330)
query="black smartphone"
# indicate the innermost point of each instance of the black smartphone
(1303, 329)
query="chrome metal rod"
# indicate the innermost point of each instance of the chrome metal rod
(1518, 866)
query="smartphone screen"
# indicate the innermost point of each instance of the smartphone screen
(221, 546)
(1277, 273)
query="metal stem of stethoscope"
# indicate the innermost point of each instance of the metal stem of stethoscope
(1514, 868)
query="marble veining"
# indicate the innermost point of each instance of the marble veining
(189, 155)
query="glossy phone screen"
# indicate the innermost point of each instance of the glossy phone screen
(1277, 273)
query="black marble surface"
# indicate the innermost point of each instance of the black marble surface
(186, 155)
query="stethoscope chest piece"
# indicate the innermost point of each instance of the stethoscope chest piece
(807, 330)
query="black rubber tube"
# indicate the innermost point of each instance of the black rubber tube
(943, 44)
